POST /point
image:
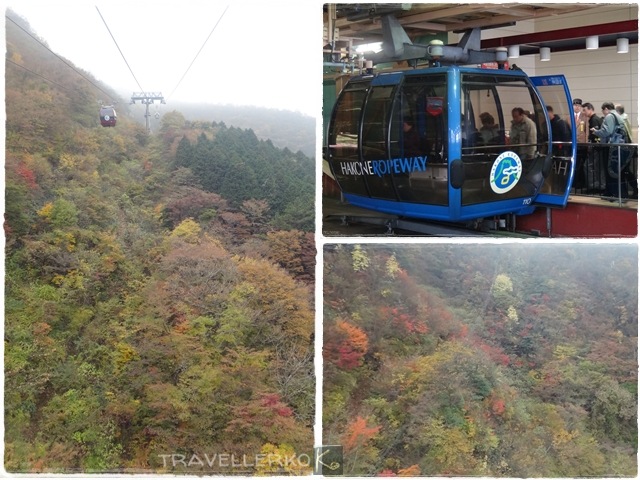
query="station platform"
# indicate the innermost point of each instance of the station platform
(583, 217)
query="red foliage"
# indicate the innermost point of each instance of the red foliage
(495, 353)
(358, 433)
(387, 473)
(463, 332)
(497, 407)
(408, 323)
(272, 401)
(345, 345)
(27, 175)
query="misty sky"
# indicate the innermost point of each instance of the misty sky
(260, 53)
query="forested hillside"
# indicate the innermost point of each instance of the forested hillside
(284, 129)
(153, 311)
(482, 360)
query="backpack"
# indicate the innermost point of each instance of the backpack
(620, 135)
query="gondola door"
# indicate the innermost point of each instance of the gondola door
(557, 185)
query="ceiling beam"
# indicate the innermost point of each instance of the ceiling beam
(440, 14)
(429, 26)
(482, 22)
(524, 13)
(563, 34)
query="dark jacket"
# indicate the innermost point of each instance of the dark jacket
(594, 122)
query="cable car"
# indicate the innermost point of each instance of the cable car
(450, 142)
(108, 116)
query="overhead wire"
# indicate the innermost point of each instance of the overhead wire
(119, 50)
(197, 54)
(122, 54)
(38, 75)
(58, 56)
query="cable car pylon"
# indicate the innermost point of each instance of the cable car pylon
(147, 98)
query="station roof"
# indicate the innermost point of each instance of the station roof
(360, 23)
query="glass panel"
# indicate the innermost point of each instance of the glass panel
(344, 155)
(375, 133)
(418, 140)
(555, 99)
(500, 114)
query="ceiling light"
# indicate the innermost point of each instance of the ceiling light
(545, 54)
(592, 42)
(514, 51)
(374, 47)
(623, 45)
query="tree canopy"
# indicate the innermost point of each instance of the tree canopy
(481, 360)
(152, 314)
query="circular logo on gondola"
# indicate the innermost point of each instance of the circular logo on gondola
(106, 117)
(506, 172)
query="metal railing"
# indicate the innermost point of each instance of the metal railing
(607, 171)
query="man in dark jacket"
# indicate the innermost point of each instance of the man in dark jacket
(560, 132)
(594, 121)
(595, 166)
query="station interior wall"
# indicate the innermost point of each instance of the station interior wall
(595, 76)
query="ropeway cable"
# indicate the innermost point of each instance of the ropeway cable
(122, 54)
(54, 53)
(203, 45)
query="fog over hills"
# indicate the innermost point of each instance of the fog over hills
(285, 129)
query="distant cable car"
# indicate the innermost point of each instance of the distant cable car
(434, 143)
(108, 116)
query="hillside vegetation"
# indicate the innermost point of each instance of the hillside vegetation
(283, 128)
(158, 289)
(482, 360)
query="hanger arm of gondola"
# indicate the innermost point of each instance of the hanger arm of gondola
(397, 46)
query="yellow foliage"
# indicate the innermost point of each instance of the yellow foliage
(281, 301)
(189, 231)
(69, 162)
(67, 240)
(451, 448)
(45, 212)
(73, 280)
(417, 377)
(360, 259)
(124, 354)
(502, 284)
(563, 352)
(392, 267)
(562, 436)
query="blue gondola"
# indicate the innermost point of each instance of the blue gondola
(108, 116)
(412, 143)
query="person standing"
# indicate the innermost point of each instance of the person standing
(580, 121)
(594, 165)
(632, 171)
(616, 186)
(560, 132)
(624, 116)
(524, 134)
